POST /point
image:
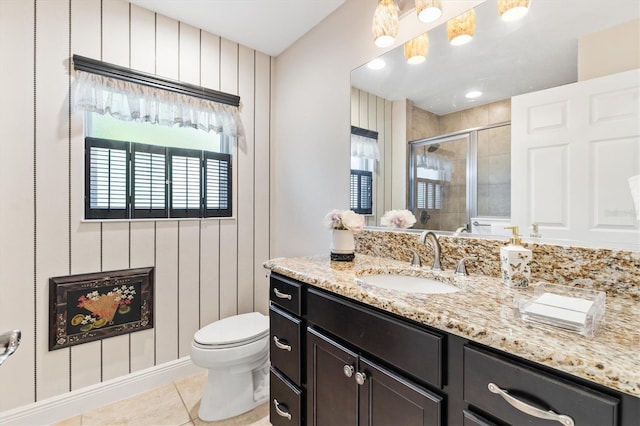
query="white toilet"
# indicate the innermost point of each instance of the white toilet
(235, 350)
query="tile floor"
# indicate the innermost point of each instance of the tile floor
(174, 404)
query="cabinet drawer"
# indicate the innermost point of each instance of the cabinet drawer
(409, 349)
(533, 387)
(286, 293)
(472, 419)
(286, 342)
(286, 401)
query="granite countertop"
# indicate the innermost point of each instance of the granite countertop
(484, 312)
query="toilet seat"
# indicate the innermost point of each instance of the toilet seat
(233, 331)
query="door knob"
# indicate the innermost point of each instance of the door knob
(360, 378)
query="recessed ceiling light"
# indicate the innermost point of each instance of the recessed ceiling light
(473, 94)
(376, 64)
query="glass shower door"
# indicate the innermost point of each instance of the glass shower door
(438, 182)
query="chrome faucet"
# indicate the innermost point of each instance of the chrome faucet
(461, 267)
(433, 241)
(415, 258)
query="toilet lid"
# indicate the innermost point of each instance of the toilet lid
(238, 329)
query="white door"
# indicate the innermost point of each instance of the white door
(573, 150)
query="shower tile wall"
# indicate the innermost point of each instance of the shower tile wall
(494, 172)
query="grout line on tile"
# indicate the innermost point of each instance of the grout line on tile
(184, 404)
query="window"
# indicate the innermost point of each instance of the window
(361, 191)
(428, 194)
(364, 155)
(127, 180)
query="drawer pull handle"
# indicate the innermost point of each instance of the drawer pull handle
(348, 370)
(529, 409)
(281, 295)
(281, 345)
(361, 378)
(280, 411)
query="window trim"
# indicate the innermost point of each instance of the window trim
(106, 69)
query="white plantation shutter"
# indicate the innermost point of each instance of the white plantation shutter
(106, 169)
(185, 182)
(217, 184)
(126, 180)
(149, 181)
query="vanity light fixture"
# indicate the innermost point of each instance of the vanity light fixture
(428, 10)
(512, 10)
(376, 64)
(415, 51)
(385, 23)
(461, 28)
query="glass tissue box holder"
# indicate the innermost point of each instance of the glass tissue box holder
(575, 309)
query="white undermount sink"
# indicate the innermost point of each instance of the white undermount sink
(406, 283)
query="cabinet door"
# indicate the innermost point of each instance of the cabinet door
(332, 392)
(389, 399)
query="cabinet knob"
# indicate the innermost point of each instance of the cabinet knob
(280, 411)
(529, 409)
(361, 378)
(281, 345)
(348, 370)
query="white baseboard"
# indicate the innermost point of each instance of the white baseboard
(57, 408)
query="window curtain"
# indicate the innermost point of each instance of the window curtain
(129, 101)
(363, 147)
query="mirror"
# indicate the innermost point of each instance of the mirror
(504, 59)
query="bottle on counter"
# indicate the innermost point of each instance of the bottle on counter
(515, 261)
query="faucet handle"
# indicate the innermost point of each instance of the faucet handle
(415, 259)
(461, 267)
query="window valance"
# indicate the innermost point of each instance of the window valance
(364, 147)
(134, 96)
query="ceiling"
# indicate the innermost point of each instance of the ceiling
(269, 26)
(504, 59)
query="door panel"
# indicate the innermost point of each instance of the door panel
(389, 399)
(332, 396)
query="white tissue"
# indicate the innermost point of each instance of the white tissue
(568, 311)
(634, 186)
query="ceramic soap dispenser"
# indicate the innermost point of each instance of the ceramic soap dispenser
(515, 261)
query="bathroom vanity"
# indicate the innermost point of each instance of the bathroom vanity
(343, 353)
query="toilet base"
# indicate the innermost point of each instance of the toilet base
(229, 394)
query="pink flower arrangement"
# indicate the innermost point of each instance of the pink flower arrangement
(344, 219)
(398, 219)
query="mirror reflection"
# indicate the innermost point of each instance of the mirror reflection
(445, 156)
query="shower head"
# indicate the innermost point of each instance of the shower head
(433, 148)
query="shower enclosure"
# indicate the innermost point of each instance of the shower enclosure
(457, 177)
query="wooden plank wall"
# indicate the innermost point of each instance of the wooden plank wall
(205, 269)
(371, 112)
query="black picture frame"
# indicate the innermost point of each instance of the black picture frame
(95, 306)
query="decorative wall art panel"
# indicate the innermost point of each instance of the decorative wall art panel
(94, 306)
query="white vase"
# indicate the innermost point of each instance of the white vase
(342, 244)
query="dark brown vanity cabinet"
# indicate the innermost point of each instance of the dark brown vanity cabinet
(335, 361)
(515, 393)
(286, 352)
(345, 388)
(346, 385)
